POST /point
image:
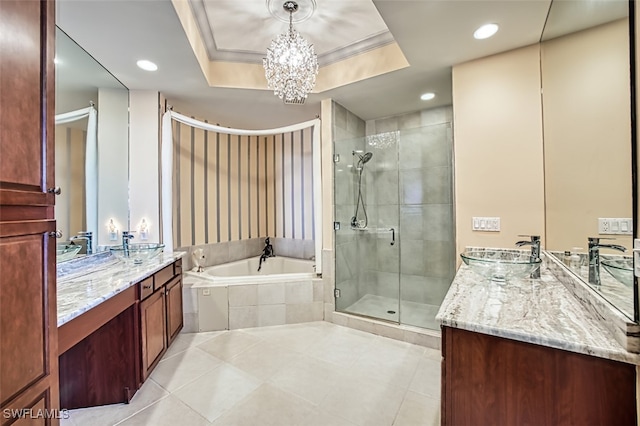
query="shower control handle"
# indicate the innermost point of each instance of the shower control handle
(393, 236)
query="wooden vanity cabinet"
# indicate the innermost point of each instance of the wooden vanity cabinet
(28, 333)
(160, 315)
(109, 351)
(492, 380)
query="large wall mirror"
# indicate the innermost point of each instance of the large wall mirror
(91, 148)
(585, 51)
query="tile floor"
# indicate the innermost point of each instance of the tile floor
(412, 313)
(312, 374)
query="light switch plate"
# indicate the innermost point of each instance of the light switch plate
(488, 224)
(615, 226)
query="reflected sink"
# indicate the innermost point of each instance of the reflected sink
(620, 267)
(500, 265)
(137, 253)
(67, 251)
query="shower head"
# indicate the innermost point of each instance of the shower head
(363, 158)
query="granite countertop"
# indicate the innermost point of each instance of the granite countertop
(541, 311)
(88, 282)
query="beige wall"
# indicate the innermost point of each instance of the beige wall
(231, 188)
(587, 154)
(498, 147)
(70, 162)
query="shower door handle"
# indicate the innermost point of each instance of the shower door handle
(393, 236)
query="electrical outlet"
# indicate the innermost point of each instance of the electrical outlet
(604, 226)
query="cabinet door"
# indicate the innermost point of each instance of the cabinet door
(152, 331)
(26, 117)
(174, 308)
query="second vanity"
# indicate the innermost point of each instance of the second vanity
(115, 321)
(529, 352)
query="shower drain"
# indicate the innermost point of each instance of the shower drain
(391, 312)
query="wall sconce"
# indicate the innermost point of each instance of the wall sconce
(143, 230)
(112, 228)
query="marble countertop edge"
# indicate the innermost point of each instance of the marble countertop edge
(94, 284)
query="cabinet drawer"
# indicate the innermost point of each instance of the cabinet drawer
(178, 267)
(162, 276)
(146, 288)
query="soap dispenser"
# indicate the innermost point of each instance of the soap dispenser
(576, 261)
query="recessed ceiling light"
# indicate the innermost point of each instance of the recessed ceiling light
(485, 31)
(147, 65)
(427, 96)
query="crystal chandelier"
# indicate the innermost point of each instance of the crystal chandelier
(291, 64)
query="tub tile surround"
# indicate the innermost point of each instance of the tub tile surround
(542, 312)
(86, 283)
(257, 305)
(230, 251)
(625, 331)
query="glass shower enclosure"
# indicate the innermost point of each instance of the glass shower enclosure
(394, 235)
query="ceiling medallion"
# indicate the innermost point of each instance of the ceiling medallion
(291, 64)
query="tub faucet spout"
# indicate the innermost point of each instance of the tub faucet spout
(267, 252)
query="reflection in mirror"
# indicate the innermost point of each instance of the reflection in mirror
(91, 148)
(587, 140)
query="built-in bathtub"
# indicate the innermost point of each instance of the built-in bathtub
(236, 295)
(274, 269)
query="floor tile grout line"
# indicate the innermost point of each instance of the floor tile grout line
(145, 407)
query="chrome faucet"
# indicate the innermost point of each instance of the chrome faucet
(86, 236)
(534, 242)
(126, 237)
(594, 257)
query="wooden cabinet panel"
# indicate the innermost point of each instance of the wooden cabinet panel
(163, 276)
(23, 314)
(100, 369)
(491, 380)
(146, 288)
(27, 87)
(28, 332)
(174, 308)
(152, 331)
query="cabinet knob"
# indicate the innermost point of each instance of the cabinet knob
(55, 191)
(56, 234)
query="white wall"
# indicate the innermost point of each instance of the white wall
(113, 175)
(144, 188)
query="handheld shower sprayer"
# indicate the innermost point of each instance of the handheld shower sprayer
(362, 160)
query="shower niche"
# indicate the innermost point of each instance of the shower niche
(394, 246)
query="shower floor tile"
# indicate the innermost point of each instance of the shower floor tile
(386, 308)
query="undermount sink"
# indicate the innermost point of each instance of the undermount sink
(67, 251)
(137, 253)
(500, 265)
(621, 267)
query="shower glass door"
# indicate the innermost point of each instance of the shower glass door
(367, 238)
